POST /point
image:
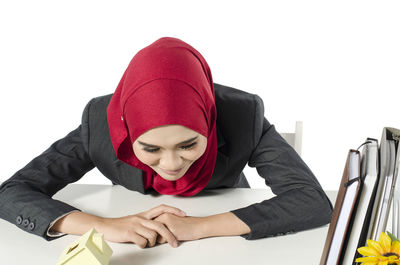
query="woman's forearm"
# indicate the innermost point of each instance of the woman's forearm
(138, 228)
(77, 223)
(224, 224)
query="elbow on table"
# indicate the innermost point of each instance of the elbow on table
(323, 207)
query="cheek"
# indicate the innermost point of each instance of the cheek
(197, 153)
(191, 156)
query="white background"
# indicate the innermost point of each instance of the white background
(332, 64)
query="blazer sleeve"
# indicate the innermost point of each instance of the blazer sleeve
(300, 202)
(26, 197)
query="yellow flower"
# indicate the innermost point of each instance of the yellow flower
(381, 252)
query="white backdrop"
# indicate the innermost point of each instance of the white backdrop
(332, 64)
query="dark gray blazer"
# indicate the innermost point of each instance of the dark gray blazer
(244, 136)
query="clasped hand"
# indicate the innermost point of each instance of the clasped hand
(160, 224)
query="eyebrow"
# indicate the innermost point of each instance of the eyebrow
(184, 142)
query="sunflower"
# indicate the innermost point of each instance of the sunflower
(381, 252)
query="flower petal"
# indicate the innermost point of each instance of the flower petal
(383, 263)
(385, 242)
(392, 259)
(368, 259)
(375, 245)
(395, 247)
(367, 251)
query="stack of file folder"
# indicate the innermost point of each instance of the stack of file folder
(369, 191)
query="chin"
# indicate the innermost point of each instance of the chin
(170, 179)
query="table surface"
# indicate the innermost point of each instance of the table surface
(19, 247)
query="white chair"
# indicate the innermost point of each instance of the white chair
(295, 139)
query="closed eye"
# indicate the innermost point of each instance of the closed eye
(185, 147)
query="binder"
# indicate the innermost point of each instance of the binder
(394, 135)
(385, 187)
(362, 215)
(344, 206)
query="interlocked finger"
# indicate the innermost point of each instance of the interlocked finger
(162, 230)
(149, 235)
(161, 239)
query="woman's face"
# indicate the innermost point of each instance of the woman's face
(170, 149)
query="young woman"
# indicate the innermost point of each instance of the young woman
(169, 129)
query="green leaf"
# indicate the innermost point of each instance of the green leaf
(392, 237)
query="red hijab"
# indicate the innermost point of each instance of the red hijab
(167, 82)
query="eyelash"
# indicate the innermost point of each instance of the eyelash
(186, 147)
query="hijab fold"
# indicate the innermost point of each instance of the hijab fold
(167, 82)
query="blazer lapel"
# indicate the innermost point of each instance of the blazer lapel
(129, 176)
(221, 163)
(220, 138)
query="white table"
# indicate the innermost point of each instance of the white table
(19, 247)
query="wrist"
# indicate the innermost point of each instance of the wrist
(202, 227)
(223, 224)
(100, 223)
(78, 223)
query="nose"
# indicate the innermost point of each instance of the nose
(171, 161)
